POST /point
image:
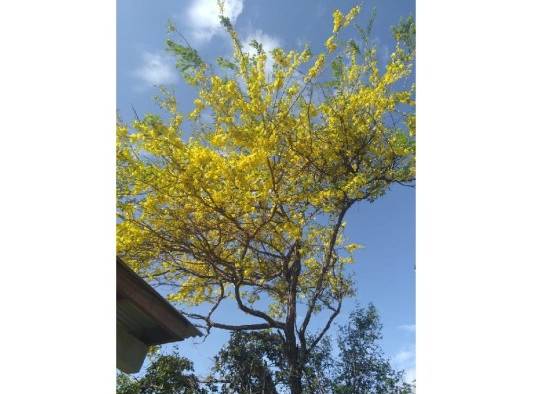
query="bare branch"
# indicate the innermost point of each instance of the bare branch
(255, 312)
(230, 327)
(325, 268)
(326, 327)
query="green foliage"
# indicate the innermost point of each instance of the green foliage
(337, 66)
(255, 363)
(319, 370)
(250, 363)
(257, 46)
(365, 32)
(405, 33)
(353, 48)
(126, 384)
(362, 367)
(187, 58)
(224, 63)
(166, 374)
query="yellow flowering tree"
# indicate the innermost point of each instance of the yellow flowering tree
(251, 208)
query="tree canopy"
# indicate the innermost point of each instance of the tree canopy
(252, 207)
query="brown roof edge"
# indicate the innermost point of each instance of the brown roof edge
(159, 308)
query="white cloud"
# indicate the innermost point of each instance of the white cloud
(408, 327)
(406, 360)
(203, 17)
(403, 356)
(156, 69)
(410, 375)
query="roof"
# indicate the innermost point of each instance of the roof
(144, 318)
(146, 312)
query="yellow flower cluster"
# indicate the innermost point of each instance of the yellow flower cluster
(351, 15)
(315, 69)
(330, 44)
(337, 20)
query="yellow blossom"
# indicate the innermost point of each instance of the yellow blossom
(351, 15)
(313, 71)
(337, 20)
(330, 44)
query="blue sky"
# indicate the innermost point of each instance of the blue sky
(385, 267)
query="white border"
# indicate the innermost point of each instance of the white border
(57, 87)
(474, 200)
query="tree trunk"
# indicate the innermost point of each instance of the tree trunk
(295, 384)
(293, 361)
(293, 353)
(295, 374)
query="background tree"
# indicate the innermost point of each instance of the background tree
(251, 209)
(362, 367)
(255, 362)
(250, 363)
(166, 374)
(127, 384)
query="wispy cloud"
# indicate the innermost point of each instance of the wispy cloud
(410, 375)
(403, 356)
(156, 69)
(408, 327)
(405, 360)
(203, 17)
(204, 22)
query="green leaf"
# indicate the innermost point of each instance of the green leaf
(186, 57)
(224, 63)
(405, 33)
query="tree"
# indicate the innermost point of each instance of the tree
(255, 362)
(362, 367)
(252, 208)
(166, 374)
(250, 363)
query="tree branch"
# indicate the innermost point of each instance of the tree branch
(230, 327)
(326, 327)
(255, 312)
(325, 268)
